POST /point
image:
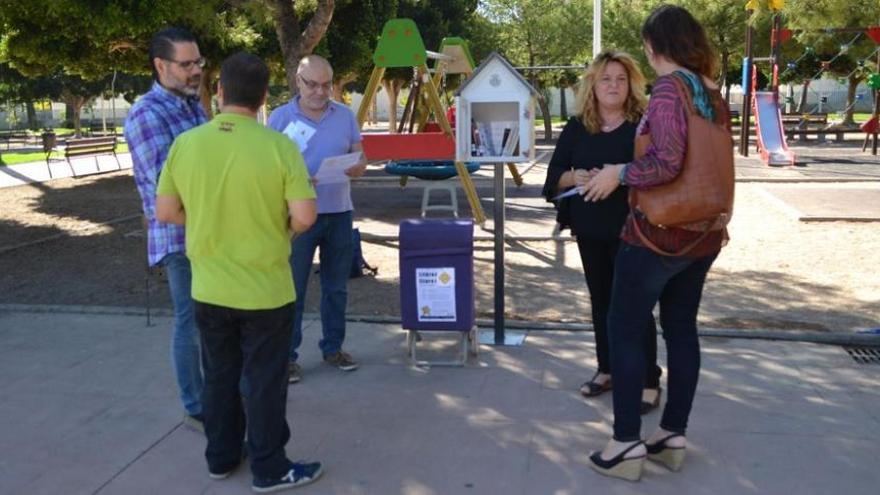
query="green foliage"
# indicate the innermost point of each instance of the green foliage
(15, 87)
(543, 32)
(351, 37)
(90, 38)
(803, 68)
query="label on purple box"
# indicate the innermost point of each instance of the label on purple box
(435, 294)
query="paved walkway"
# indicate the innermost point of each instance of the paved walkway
(89, 407)
(28, 173)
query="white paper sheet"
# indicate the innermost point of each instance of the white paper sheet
(301, 133)
(435, 294)
(332, 169)
(570, 192)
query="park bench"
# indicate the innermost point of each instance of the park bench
(805, 119)
(734, 117)
(820, 134)
(96, 129)
(85, 148)
(10, 137)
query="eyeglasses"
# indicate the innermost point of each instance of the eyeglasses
(313, 85)
(187, 65)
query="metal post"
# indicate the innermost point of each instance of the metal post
(498, 223)
(775, 51)
(597, 27)
(874, 115)
(746, 112)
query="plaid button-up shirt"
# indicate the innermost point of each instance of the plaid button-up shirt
(152, 124)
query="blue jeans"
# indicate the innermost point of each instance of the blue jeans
(245, 386)
(641, 279)
(332, 234)
(185, 338)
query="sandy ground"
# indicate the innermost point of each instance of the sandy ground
(79, 241)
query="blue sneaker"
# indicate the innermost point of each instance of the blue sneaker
(301, 473)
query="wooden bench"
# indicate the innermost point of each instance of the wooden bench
(805, 119)
(9, 137)
(96, 129)
(821, 133)
(84, 148)
(734, 117)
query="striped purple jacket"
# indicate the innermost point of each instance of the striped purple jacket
(152, 124)
(666, 121)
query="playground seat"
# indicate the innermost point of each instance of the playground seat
(428, 170)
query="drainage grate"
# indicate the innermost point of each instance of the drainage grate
(864, 355)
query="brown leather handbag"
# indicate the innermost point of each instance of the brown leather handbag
(701, 197)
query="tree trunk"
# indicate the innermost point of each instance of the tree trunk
(75, 104)
(295, 44)
(68, 113)
(392, 89)
(850, 100)
(725, 66)
(339, 86)
(563, 110)
(31, 115)
(208, 77)
(548, 120)
(802, 104)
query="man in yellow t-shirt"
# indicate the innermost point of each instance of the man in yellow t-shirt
(242, 190)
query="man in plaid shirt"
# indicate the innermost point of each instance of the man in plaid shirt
(167, 110)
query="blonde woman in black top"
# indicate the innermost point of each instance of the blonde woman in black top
(611, 101)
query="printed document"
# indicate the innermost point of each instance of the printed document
(332, 169)
(301, 133)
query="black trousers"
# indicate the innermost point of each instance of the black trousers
(597, 258)
(244, 356)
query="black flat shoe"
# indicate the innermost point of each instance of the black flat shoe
(619, 466)
(671, 457)
(592, 389)
(647, 407)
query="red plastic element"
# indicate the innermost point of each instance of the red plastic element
(450, 116)
(784, 35)
(870, 127)
(420, 146)
(874, 33)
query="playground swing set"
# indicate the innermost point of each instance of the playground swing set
(769, 129)
(424, 145)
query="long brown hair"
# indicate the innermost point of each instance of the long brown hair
(674, 33)
(635, 103)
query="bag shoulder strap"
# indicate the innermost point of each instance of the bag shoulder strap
(683, 93)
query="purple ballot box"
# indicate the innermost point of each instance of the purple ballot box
(437, 278)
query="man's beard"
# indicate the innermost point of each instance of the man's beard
(191, 87)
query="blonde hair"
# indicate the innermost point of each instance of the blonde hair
(635, 103)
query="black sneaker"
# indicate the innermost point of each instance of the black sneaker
(294, 372)
(341, 360)
(301, 473)
(223, 474)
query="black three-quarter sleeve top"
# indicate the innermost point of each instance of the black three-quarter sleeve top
(577, 148)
